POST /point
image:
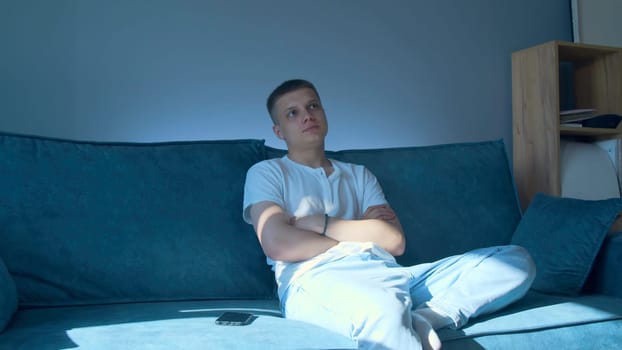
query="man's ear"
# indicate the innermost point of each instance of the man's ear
(277, 131)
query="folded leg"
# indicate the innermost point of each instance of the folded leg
(475, 283)
(359, 297)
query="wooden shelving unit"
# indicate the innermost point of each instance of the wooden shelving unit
(590, 132)
(597, 77)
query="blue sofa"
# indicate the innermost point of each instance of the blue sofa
(142, 246)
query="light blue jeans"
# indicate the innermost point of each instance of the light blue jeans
(371, 300)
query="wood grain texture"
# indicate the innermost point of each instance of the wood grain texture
(536, 107)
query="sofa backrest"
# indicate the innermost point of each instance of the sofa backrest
(91, 222)
(450, 198)
(88, 222)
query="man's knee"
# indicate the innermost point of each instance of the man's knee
(521, 262)
(386, 324)
(387, 312)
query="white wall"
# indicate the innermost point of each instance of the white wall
(598, 22)
(390, 73)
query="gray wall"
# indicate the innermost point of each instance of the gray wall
(390, 73)
(598, 22)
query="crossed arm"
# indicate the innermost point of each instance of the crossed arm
(295, 239)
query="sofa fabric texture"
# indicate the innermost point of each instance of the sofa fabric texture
(95, 222)
(474, 207)
(164, 326)
(606, 276)
(8, 296)
(563, 236)
(142, 245)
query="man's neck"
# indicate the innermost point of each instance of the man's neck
(314, 158)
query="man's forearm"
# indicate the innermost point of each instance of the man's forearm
(294, 244)
(387, 234)
(281, 240)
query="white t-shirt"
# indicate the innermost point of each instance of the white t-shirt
(301, 191)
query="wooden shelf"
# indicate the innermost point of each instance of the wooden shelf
(582, 52)
(590, 132)
(536, 98)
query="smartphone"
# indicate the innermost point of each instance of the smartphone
(235, 319)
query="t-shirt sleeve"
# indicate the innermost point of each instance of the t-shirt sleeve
(372, 192)
(264, 182)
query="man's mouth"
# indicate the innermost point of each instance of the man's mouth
(314, 127)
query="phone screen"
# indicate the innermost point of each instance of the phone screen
(230, 318)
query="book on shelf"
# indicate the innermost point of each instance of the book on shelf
(576, 115)
(588, 119)
(572, 124)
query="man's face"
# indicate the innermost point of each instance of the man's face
(300, 118)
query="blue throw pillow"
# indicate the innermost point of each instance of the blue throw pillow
(8, 296)
(563, 236)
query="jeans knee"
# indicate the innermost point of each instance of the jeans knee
(390, 313)
(522, 261)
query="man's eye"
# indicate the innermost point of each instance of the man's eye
(314, 106)
(291, 114)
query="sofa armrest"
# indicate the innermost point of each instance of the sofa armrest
(606, 275)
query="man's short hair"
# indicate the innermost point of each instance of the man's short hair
(287, 87)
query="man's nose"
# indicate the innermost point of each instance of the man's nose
(307, 116)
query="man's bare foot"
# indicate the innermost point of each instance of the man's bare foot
(429, 338)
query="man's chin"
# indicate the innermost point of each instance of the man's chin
(310, 142)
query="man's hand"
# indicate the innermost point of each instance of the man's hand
(380, 212)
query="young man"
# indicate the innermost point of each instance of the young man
(331, 238)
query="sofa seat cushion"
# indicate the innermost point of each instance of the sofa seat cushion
(591, 336)
(165, 325)
(536, 321)
(552, 320)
